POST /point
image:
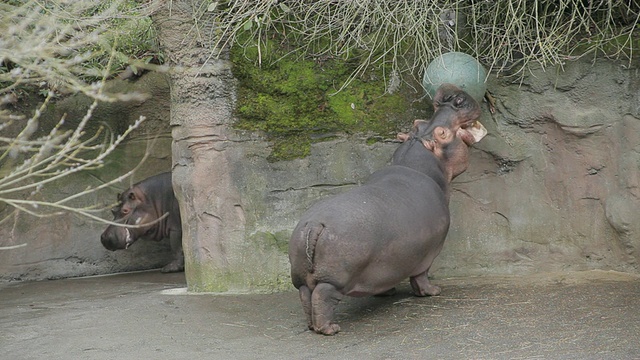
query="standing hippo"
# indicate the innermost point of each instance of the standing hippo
(152, 202)
(367, 240)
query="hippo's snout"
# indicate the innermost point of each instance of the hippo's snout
(108, 242)
(116, 238)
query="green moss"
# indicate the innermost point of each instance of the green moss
(203, 278)
(297, 100)
(264, 248)
(267, 240)
(289, 148)
(372, 140)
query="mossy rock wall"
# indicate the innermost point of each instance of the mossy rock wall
(554, 186)
(551, 188)
(296, 101)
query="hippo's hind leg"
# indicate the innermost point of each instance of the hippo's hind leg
(324, 299)
(305, 299)
(422, 286)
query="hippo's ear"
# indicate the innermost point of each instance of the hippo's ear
(402, 137)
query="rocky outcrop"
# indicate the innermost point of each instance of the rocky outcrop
(558, 178)
(554, 186)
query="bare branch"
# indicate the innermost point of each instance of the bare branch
(52, 45)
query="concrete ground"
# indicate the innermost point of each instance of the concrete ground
(586, 315)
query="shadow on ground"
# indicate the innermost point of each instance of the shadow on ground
(585, 315)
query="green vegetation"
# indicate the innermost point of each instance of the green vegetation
(68, 46)
(297, 99)
(131, 39)
(308, 69)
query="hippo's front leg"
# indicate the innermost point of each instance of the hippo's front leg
(177, 265)
(422, 286)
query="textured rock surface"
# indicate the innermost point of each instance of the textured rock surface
(562, 159)
(554, 186)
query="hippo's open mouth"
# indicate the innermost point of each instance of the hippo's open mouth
(476, 127)
(472, 132)
(471, 124)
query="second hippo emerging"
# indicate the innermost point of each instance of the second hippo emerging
(369, 239)
(152, 205)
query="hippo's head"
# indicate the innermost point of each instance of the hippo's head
(130, 210)
(453, 128)
(452, 148)
(453, 109)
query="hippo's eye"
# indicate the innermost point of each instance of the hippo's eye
(131, 196)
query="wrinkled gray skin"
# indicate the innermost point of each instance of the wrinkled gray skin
(367, 240)
(145, 203)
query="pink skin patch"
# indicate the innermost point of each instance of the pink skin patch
(472, 134)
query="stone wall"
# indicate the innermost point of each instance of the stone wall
(554, 186)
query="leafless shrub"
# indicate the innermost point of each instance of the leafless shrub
(505, 35)
(57, 47)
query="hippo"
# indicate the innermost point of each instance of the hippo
(151, 201)
(367, 240)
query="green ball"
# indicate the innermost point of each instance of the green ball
(458, 69)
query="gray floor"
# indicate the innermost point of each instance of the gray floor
(588, 315)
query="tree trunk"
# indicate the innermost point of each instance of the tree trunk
(202, 100)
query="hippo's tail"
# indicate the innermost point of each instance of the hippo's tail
(312, 232)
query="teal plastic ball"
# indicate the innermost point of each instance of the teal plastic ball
(459, 69)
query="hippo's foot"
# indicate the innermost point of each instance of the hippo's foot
(174, 266)
(324, 299)
(422, 286)
(328, 329)
(389, 292)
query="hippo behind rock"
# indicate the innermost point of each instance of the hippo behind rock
(145, 203)
(367, 240)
